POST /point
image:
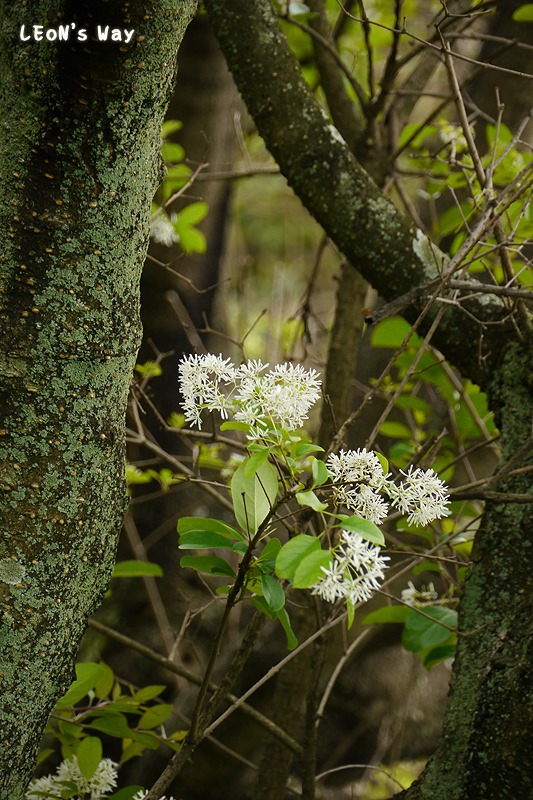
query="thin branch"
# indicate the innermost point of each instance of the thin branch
(150, 584)
(183, 672)
(359, 91)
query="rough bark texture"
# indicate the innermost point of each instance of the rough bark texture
(486, 751)
(380, 242)
(79, 165)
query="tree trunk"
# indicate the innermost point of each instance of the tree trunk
(485, 750)
(80, 138)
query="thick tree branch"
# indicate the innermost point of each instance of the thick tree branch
(385, 247)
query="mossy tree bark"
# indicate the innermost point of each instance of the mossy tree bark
(79, 165)
(485, 750)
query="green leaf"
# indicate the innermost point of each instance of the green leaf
(211, 565)
(198, 524)
(261, 604)
(169, 127)
(283, 617)
(131, 750)
(193, 213)
(309, 570)
(351, 612)
(235, 426)
(136, 476)
(114, 724)
(253, 495)
(148, 740)
(292, 553)
(155, 716)
(524, 13)
(395, 430)
(383, 461)
(390, 333)
(388, 614)
(364, 527)
(254, 462)
(150, 369)
(89, 755)
(44, 754)
(269, 554)
(127, 793)
(148, 693)
(421, 633)
(301, 449)
(439, 654)
(137, 569)
(272, 592)
(104, 686)
(203, 540)
(172, 152)
(191, 240)
(87, 676)
(311, 500)
(319, 471)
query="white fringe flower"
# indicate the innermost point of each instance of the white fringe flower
(162, 230)
(95, 788)
(201, 379)
(280, 397)
(359, 483)
(358, 478)
(356, 572)
(423, 497)
(419, 597)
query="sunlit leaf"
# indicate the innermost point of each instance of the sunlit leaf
(309, 570)
(311, 500)
(89, 755)
(364, 527)
(136, 569)
(253, 495)
(87, 676)
(292, 553)
(394, 614)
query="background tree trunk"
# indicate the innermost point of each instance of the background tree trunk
(80, 139)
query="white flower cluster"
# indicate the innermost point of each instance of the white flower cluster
(280, 397)
(358, 479)
(419, 597)
(355, 573)
(359, 483)
(423, 497)
(95, 788)
(98, 787)
(162, 230)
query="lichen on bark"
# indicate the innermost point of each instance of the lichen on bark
(80, 163)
